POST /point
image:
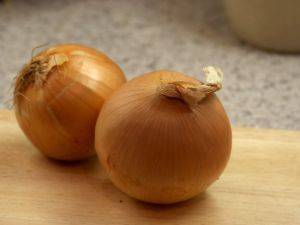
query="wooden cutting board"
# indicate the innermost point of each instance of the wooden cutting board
(261, 185)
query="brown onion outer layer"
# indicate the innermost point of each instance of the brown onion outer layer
(57, 105)
(162, 149)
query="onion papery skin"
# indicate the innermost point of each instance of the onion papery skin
(58, 96)
(161, 149)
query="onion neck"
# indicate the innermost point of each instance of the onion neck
(36, 72)
(194, 93)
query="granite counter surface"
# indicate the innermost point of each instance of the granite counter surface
(261, 89)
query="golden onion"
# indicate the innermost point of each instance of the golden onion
(58, 96)
(164, 137)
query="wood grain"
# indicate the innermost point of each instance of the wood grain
(261, 185)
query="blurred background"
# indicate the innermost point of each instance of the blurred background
(261, 88)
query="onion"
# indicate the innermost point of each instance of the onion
(164, 137)
(58, 96)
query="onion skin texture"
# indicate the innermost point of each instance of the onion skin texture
(160, 149)
(58, 96)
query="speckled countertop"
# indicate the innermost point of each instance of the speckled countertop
(261, 89)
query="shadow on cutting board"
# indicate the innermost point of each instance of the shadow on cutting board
(84, 189)
(50, 192)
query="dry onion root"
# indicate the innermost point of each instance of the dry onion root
(58, 96)
(164, 137)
